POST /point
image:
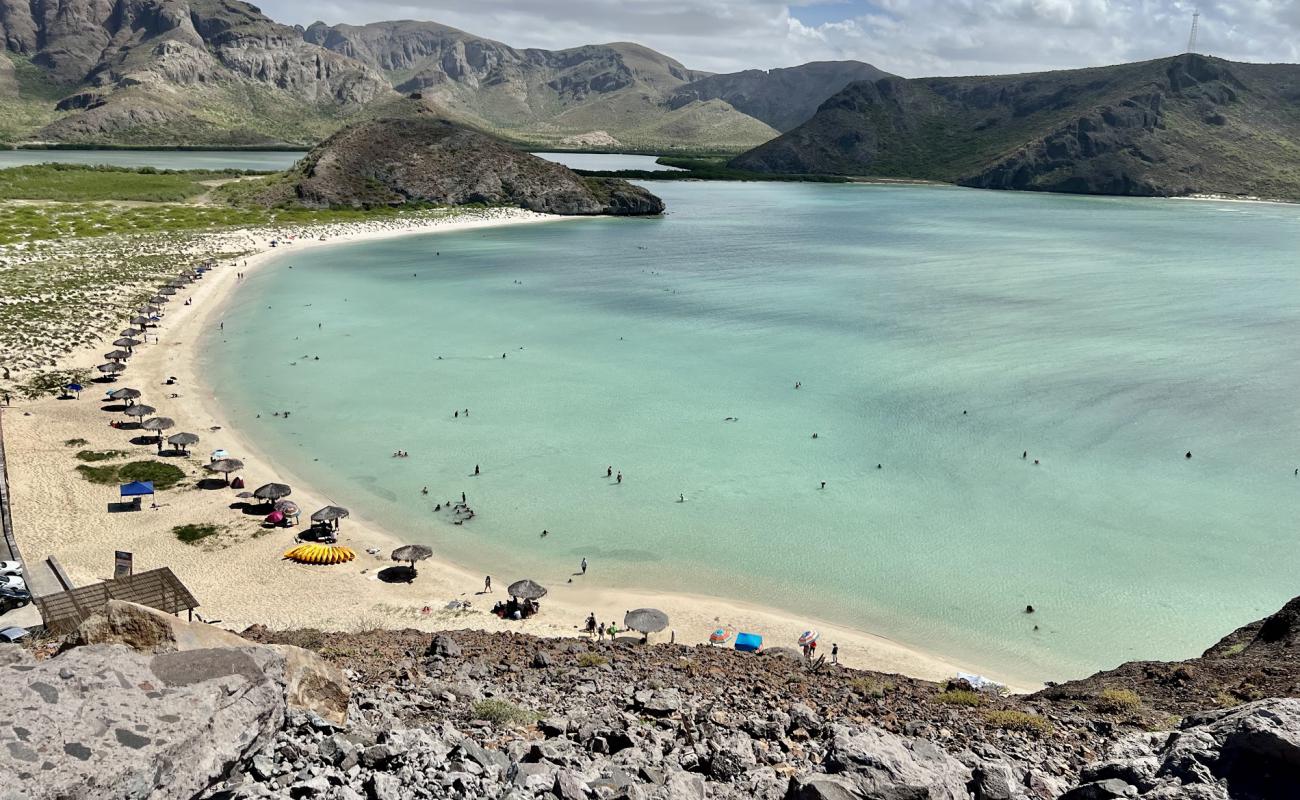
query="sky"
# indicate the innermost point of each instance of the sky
(913, 38)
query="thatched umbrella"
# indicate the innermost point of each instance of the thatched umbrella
(129, 332)
(149, 309)
(113, 368)
(183, 440)
(330, 514)
(226, 466)
(176, 285)
(129, 395)
(140, 411)
(158, 299)
(117, 355)
(272, 492)
(412, 553)
(127, 342)
(158, 425)
(526, 590)
(142, 321)
(167, 291)
(645, 620)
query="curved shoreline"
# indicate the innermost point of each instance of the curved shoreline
(350, 596)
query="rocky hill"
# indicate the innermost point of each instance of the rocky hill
(219, 72)
(420, 158)
(141, 705)
(1175, 126)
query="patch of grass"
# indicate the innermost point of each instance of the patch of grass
(500, 712)
(76, 443)
(1234, 650)
(92, 456)
(870, 687)
(52, 382)
(164, 476)
(1018, 721)
(592, 660)
(79, 183)
(960, 697)
(1118, 701)
(193, 534)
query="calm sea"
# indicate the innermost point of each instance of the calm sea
(937, 334)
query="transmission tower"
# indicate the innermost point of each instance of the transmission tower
(1191, 40)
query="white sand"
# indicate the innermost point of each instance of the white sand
(242, 579)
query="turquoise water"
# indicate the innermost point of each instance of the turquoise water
(606, 161)
(260, 160)
(937, 332)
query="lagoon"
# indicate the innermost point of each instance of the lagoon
(937, 334)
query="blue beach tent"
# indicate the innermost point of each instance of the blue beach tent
(137, 489)
(748, 642)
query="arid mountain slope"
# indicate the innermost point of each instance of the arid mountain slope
(1175, 126)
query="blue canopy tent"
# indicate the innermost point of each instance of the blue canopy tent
(75, 388)
(137, 490)
(748, 642)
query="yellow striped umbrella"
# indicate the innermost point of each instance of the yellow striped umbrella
(320, 554)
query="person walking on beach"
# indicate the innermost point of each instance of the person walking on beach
(591, 624)
(583, 566)
(487, 583)
(620, 478)
(600, 632)
(835, 653)
(609, 472)
(462, 498)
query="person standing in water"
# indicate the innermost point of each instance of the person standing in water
(583, 566)
(476, 469)
(609, 472)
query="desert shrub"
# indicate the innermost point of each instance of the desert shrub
(164, 476)
(592, 660)
(100, 455)
(960, 697)
(76, 443)
(1118, 701)
(870, 687)
(193, 534)
(500, 712)
(1018, 721)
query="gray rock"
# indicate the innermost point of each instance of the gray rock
(541, 659)
(996, 781)
(1109, 789)
(382, 786)
(822, 787)
(569, 786)
(445, 646)
(882, 764)
(663, 702)
(127, 725)
(733, 756)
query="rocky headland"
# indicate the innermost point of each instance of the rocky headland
(140, 705)
(421, 159)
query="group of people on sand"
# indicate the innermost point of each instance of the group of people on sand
(600, 629)
(515, 609)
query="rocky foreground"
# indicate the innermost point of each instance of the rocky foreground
(141, 705)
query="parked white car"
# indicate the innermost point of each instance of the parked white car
(13, 582)
(11, 568)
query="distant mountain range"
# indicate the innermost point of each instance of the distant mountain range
(1174, 126)
(219, 72)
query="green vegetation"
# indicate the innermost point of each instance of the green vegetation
(193, 534)
(76, 443)
(1118, 701)
(960, 697)
(697, 168)
(1018, 721)
(83, 183)
(592, 660)
(43, 384)
(92, 456)
(870, 687)
(499, 712)
(164, 476)
(1234, 650)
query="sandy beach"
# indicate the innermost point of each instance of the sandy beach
(240, 578)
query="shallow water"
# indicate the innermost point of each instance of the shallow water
(606, 161)
(937, 332)
(260, 160)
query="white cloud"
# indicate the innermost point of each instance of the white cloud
(908, 37)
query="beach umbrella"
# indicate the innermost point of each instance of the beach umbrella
(330, 514)
(218, 453)
(112, 369)
(74, 387)
(129, 395)
(275, 517)
(117, 355)
(167, 291)
(151, 309)
(158, 299)
(127, 342)
(128, 332)
(412, 553)
(141, 321)
(158, 424)
(272, 491)
(808, 637)
(140, 411)
(226, 466)
(320, 554)
(244, 495)
(720, 636)
(526, 590)
(183, 440)
(288, 508)
(176, 285)
(645, 620)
